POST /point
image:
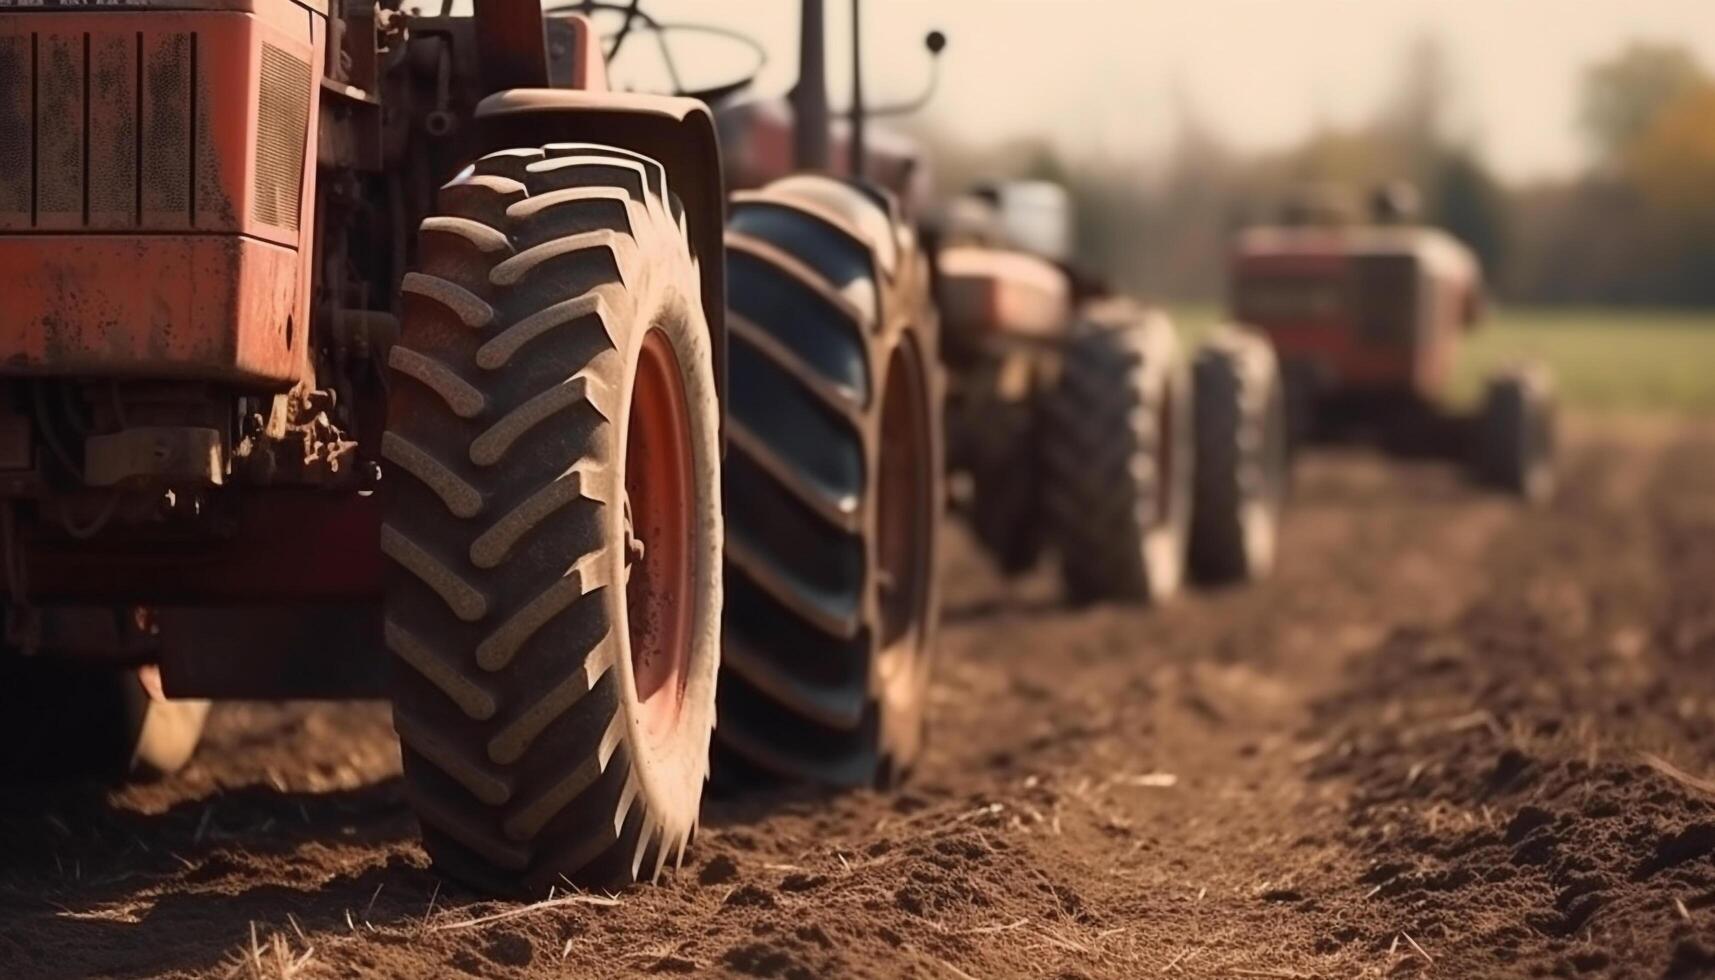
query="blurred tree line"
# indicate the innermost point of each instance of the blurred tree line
(1636, 227)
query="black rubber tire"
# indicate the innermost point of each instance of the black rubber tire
(65, 719)
(525, 753)
(827, 663)
(1242, 467)
(997, 425)
(1515, 444)
(1119, 416)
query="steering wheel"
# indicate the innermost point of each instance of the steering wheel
(635, 16)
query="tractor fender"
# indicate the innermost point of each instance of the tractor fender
(678, 133)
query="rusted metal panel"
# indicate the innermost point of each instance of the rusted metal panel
(17, 127)
(113, 136)
(60, 144)
(211, 307)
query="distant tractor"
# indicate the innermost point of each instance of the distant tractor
(1366, 320)
(1077, 425)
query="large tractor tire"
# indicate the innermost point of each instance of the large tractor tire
(833, 489)
(63, 719)
(1516, 433)
(1117, 458)
(1241, 470)
(554, 523)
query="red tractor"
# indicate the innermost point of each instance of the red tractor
(1366, 320)
(1078, 424)
(352, 352)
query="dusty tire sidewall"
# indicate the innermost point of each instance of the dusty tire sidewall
(671, 770)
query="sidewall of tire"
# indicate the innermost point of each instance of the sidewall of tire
(1166, 544)
(903, 699)
(672, 774)
(1141, 558)
(1243, 457)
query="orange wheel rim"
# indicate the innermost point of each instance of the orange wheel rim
(660, 502)
(905, 508)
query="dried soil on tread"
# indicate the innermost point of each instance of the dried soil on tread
(1452, 738)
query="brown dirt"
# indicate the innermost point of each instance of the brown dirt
(1452, 738)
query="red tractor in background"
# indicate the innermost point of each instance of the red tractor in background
(1078, 424)
(1366, 319)
(333, 329)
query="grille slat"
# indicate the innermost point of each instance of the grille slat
(59, 137)
(114, 129)
(282, 132)
(166, 129)
(112, 183)
(17, 132)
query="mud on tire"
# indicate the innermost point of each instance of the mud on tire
(1241, 469)
(553, 615)
(1117, 457)
(833, 488)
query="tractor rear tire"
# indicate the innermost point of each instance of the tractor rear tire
(1516, 433)
(1242, 467)
(64, 719)
(553, 601)
(833, 489)
(1117, 458)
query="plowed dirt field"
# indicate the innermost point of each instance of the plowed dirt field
(1452, 738)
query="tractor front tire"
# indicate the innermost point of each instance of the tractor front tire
(833, 489)
(554, 524)
(1515, 439)
(1117, 458)
(1242, 457)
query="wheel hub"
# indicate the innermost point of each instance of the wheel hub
(659, 501)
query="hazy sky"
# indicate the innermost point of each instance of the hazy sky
(1108, 76)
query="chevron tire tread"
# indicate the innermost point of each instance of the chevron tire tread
(1241, 466)
(1121, 407)
(812, 340)
(505, 602)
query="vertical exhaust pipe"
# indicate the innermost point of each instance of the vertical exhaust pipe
(856, 141)
(809, 97)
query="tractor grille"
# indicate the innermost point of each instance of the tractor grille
(283, 115)
(114, 129)
(98, 130)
